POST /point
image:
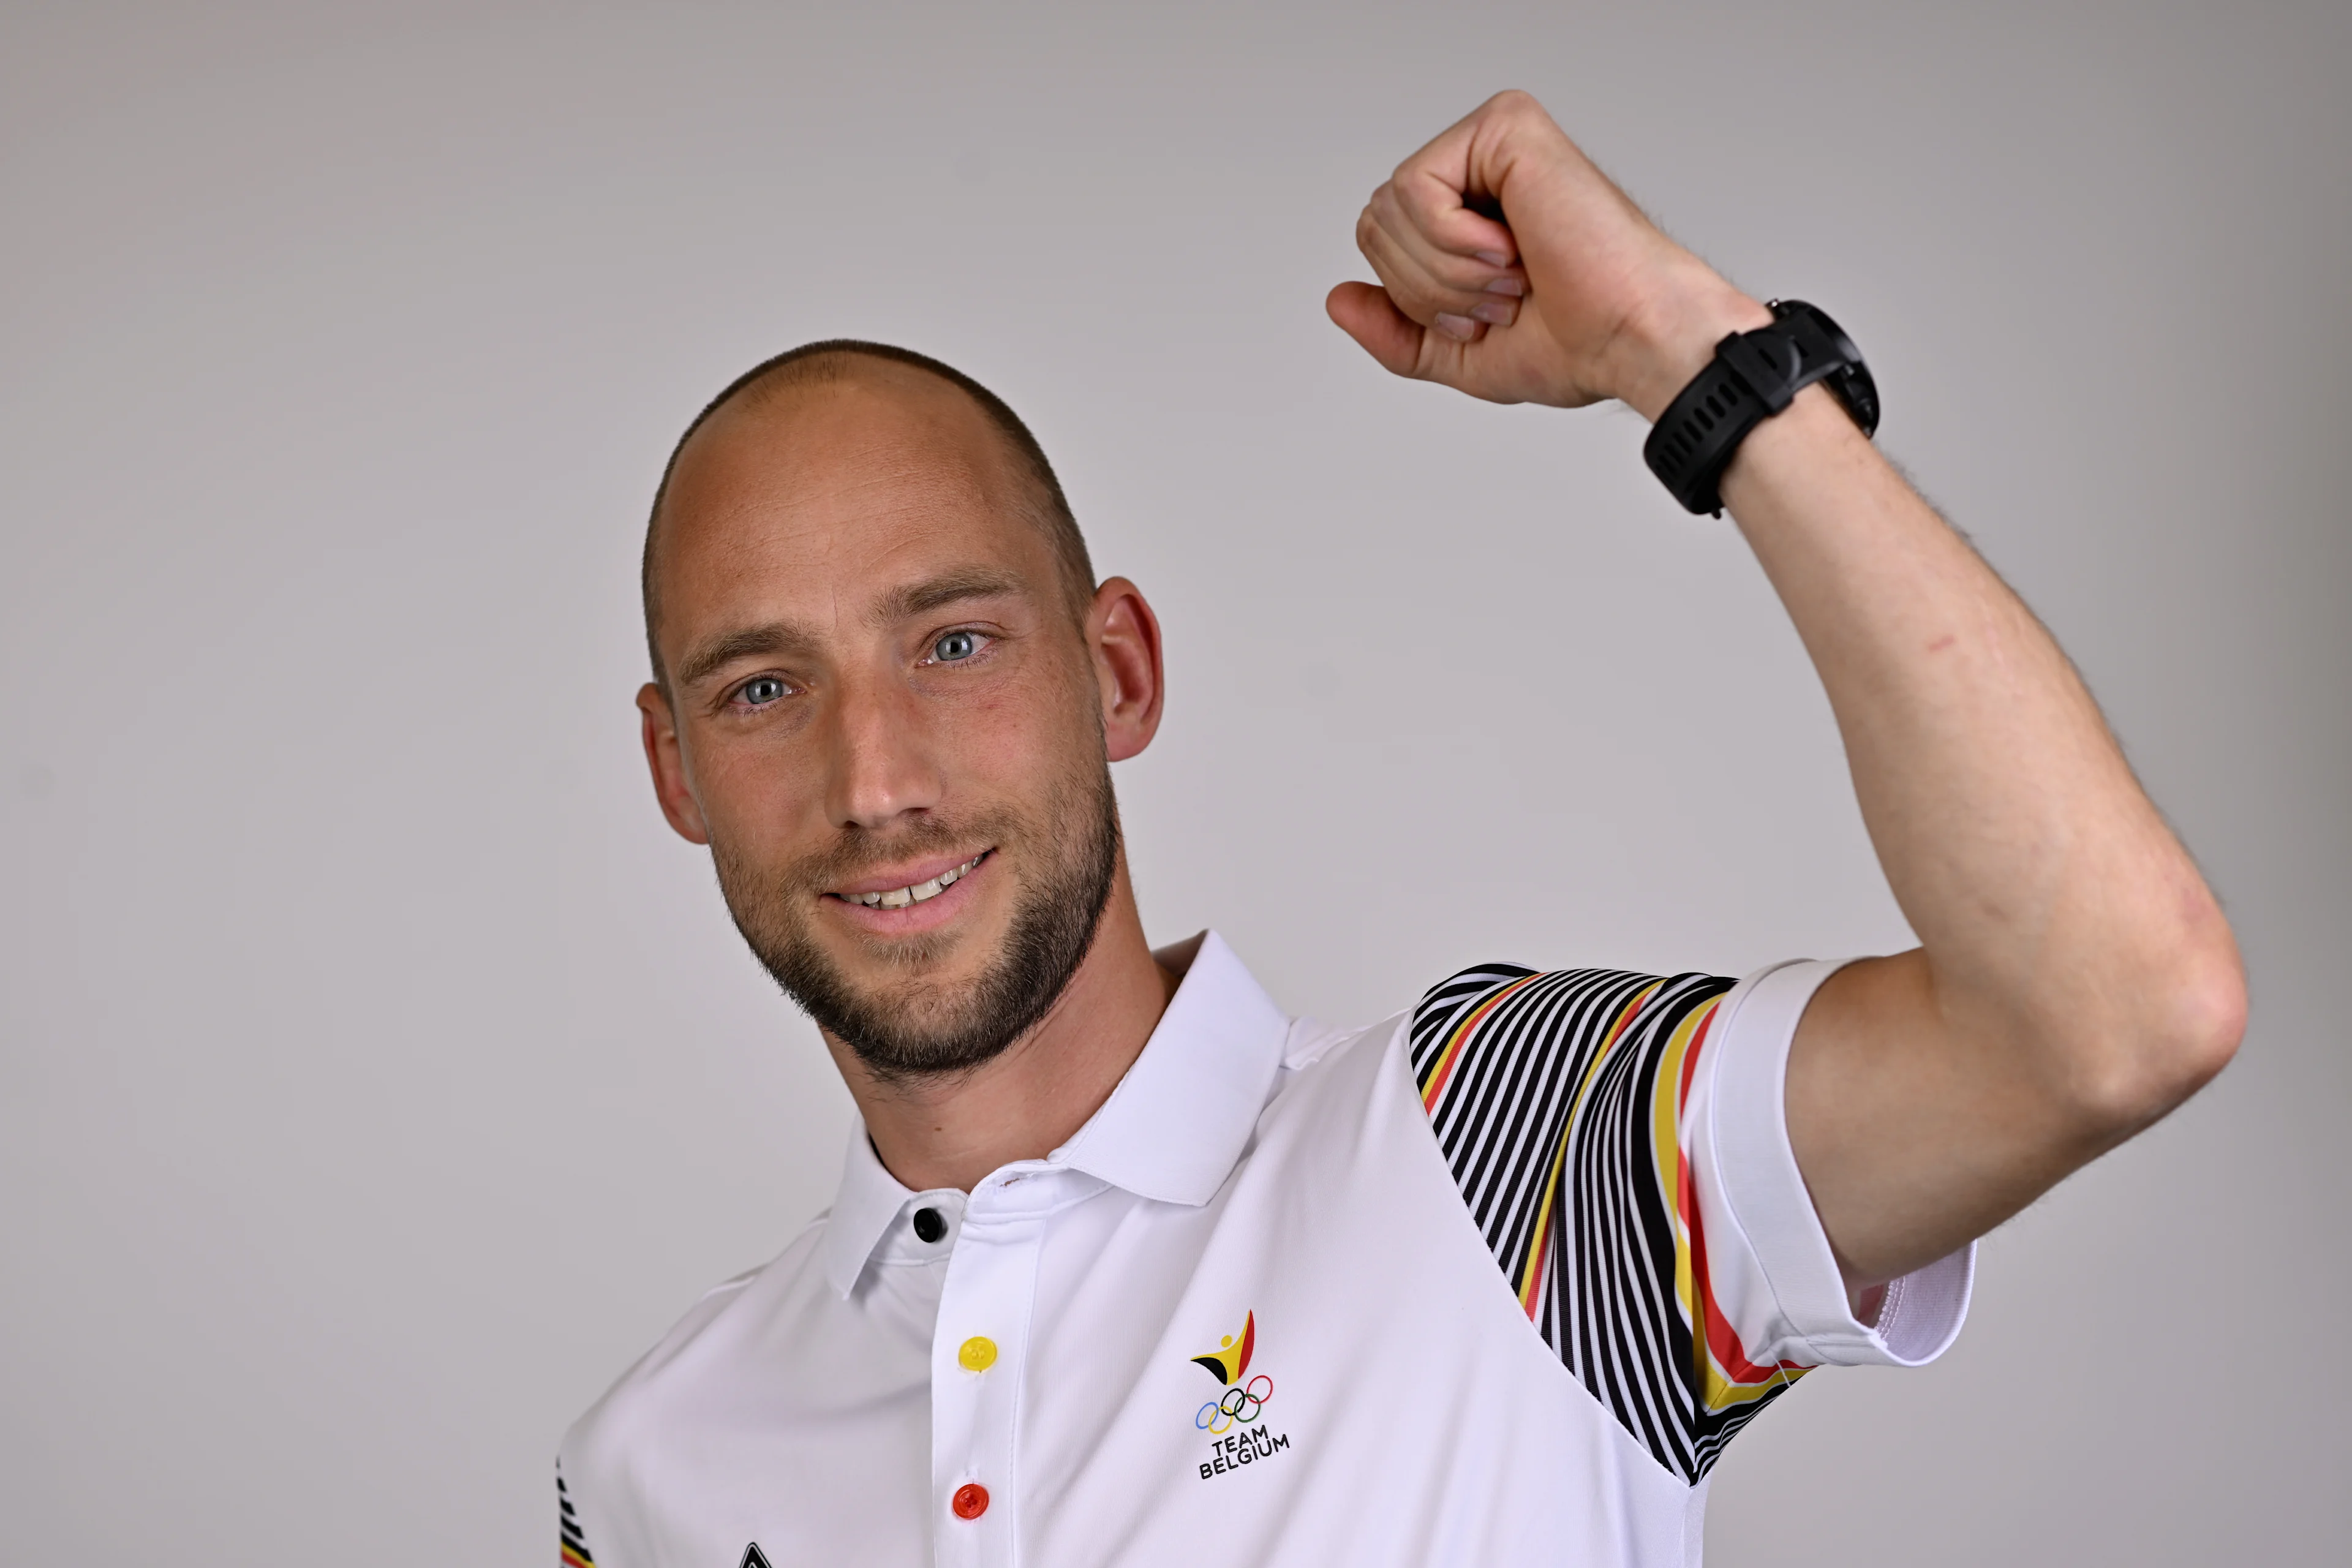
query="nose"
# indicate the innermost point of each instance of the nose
(882, 765)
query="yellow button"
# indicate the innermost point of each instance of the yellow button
(978, 1354)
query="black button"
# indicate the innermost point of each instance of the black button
(929, 1225)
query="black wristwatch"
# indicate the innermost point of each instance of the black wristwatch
(1752, 377)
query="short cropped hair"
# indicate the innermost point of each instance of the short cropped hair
(817, 363)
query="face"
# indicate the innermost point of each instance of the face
(884, 719)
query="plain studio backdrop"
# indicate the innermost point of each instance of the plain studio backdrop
(379, 1076)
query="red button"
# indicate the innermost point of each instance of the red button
(970, 1501)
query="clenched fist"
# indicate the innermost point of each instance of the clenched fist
(1512, 270)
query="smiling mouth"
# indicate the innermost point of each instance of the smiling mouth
(916, 892)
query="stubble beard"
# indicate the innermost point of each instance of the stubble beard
(916, 1026)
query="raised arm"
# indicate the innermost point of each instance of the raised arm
(2077, 979)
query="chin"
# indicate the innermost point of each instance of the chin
(946, 984)
(950, 959)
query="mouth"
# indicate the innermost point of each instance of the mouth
(911, 893)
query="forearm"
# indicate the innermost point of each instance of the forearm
(2049, 897)
(2002, 813)
(2075, 978)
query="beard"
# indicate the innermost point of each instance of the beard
(909, 1025)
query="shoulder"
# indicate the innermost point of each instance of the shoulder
(1330, 1075)
(1469, 994)
(1510, 1007)
(661, 1376)
(1493, 1038)
(1497, 1012)
(1312, 1042)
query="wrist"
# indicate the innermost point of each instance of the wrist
(1663, 346)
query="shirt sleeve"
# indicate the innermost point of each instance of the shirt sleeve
(572, 1536)
(1774, 1283)
(1620, 1141)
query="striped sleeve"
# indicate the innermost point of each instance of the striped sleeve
(1557, 1099)
(572, 1547)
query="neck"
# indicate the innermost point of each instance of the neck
(952, 1131)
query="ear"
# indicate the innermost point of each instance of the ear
(1123, 635)
(668, 760)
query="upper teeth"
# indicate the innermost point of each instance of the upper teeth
(899, 897)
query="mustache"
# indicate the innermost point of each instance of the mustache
(858, 852)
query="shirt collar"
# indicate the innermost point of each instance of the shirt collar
(1173, 1131)
(1178, 1121)
(868, 1203)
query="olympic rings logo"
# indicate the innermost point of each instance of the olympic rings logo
(1241, 1405)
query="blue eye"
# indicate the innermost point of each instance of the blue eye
(763, 689)
(955, 646)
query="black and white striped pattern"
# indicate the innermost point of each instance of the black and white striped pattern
(572, 1542)
(1544, 1108)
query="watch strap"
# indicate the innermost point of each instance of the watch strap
(1754, 375)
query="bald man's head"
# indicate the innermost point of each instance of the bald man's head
(768, 388)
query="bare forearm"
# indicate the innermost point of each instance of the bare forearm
(2041, 881)
(2014, 837)
(2077, 977)
(2075, 980)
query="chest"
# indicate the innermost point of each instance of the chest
(1323, 1364)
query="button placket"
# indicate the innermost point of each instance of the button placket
(978, 1349)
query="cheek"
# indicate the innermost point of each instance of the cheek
(1026, 736)
(754, 794)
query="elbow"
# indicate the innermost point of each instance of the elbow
(2180, 1031)
(2205, 1020)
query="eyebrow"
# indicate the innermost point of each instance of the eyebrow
(744, 642)
(951, 588)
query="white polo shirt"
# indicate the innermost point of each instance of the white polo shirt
(1490, 1282)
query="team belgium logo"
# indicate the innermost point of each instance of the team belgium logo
(1240, 1406)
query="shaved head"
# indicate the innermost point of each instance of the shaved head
(767, 388)
(886, 694)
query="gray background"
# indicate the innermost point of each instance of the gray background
(377, 1073)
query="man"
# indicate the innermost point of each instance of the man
(1127, 1267)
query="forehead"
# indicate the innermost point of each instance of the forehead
(811, 502)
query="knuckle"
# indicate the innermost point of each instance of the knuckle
(1413, 201)
(1463, 275)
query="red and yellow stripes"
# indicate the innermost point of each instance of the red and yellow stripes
(1537, 1267)
(1726, 1376)
(1440, 1073)
(1558, 1099)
